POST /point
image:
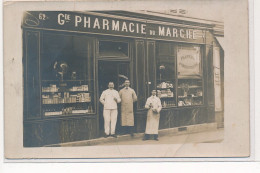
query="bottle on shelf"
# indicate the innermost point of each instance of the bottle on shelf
(73, 76)
(90, 110)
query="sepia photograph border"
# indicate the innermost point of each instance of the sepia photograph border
(236, 145)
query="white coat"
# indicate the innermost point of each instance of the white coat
(154, 106)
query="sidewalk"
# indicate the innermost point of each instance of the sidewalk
(201, 137)
(203, 134)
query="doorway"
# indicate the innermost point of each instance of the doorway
(111, 71)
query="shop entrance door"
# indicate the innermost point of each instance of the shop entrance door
(111, 71)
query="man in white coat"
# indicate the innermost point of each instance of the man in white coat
(154, 106)
(109, 98)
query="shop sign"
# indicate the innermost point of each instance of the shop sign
(78, 22)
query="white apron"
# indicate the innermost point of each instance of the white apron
(128, 97)
(152, 122)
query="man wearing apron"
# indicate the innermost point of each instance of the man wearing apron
(154, 106)
(128, 97)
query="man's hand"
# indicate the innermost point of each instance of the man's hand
(154, 110)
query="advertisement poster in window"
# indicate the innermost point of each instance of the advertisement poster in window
(189, 61)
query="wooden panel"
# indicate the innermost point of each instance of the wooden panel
(209, 76)
(58, 131)
(191, 116)
(222, 75)
(90, 68)
(172, 118)
(140, 123)
(185, 117)
(34, 136)
(76, 130)
(211, 114)
(32, 80)
(219, 119)
(140, 73)
(166, 119)
(202, 116)
(151, 67)
(209, 37)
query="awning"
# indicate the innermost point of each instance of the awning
(221, 42)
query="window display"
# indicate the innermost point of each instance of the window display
(189, 85)
(67, 86)
(166, 74)
(68, 97)
(190, 90)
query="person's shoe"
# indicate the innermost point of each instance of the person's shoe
(114, 135)
(132, 134)
(145, 137)
(106, 136)
(155, 137)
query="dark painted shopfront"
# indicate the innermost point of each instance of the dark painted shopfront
(69, 58)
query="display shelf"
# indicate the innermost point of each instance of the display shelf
(168, 103)
(190, 91)
(60, 113)
(166, 97)
(66, 95)
(63, 81)
(191, 87)
(180, 97)
(67, 91)
(189, 77)
(166, 92)
(163, 88)
(65, 103)
(189, 105)
(70, 115)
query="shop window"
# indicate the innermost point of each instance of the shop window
(113, 49)
(190, 81)
(67, 78)
(165, 73)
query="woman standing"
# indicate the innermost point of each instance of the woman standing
(154, 106)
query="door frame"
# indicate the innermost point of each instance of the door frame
(117, 60)
(98, 59)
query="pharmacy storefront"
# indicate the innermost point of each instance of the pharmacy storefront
(69, 58)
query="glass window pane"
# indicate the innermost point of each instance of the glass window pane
(67, 75)
(166, 74)
(113, 49)
(190, 81)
